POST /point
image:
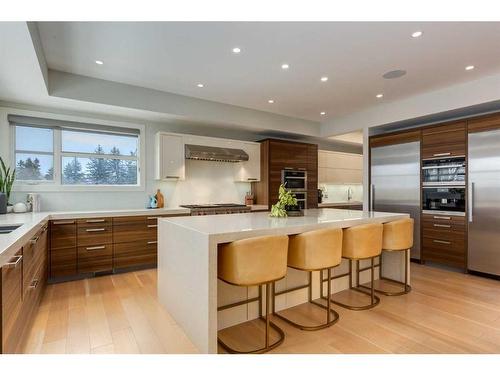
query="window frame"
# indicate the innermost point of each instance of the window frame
(57, 185)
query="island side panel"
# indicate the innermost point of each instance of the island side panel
(187, 282)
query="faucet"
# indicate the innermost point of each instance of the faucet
(349, 194)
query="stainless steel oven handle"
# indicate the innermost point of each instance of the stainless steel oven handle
(442, 154)
(471, 202)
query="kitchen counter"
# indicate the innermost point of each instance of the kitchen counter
(187, 266)
(31, 222)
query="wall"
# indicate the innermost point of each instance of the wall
(205, 181)
(338, 192)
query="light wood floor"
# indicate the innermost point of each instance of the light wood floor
(446, 312)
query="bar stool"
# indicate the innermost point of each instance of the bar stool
(362, 242)
(254, 262)
(316, 250)
(398, 236)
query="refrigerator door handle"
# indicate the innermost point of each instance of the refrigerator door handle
(471, 202)
(372, 194)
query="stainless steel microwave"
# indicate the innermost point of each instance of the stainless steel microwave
(294, 179)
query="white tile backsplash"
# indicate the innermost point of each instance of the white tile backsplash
(339, 192)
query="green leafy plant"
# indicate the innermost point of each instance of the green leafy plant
(286, 198)
(7, 177)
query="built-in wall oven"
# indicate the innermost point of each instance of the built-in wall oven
(444, 171)
(295, 180)
(448, 200)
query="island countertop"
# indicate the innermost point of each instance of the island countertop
(187, 265)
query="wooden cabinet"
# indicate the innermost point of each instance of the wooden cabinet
(340, 168)
(277, 155)
(444, 240)
(11, 302)
(248, 171)
(95, 258)
(444, 140)
(63, 249)
(35, 254)
(170, 160)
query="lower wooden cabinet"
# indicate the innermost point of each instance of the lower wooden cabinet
(95, 258)
(135, 254)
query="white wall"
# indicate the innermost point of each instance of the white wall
(206, 182)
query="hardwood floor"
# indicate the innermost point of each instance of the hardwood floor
(446, 312)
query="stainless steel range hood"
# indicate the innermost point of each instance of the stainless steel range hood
(231, 155)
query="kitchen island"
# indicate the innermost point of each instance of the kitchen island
(187, 266)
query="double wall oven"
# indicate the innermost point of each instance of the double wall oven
(443, 186)
(295, 180)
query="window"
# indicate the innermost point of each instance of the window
(34, 154)
(72, 156)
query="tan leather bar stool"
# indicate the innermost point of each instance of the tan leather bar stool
(362, 242)
(397, 236)
(316, 250)
(255, 262)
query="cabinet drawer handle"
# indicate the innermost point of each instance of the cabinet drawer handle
(95, 221)
(152, 217)
(44, 228)
(15, 263)
(96, 230)
(252, 179)
(95, 248)
(63, 222)
(153, 226)
(34, 284)
(443, 154)
(171, 176)
(443, 242)
(152, 242)
(442, 225)
(442, 217)
(34, 240)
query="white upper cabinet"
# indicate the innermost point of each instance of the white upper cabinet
(170, 156)
(248, 171)
(339, 168)
(170, 161)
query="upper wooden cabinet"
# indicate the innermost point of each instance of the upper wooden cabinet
(170, 161)
(444, 140)
(339, 168)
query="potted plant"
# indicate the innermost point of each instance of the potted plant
(287, 203)
(7, 177)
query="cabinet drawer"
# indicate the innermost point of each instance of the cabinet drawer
(34, 256)
(94, 222)
(135, 231)
(448, 251)
(98, 235)
(133, 254)
(444, 140)
(446, 234)
(63, 262)
(11, 302)
(453, 223)
(98, 258)
(62, 234)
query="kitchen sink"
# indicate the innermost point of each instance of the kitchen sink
(5, 229)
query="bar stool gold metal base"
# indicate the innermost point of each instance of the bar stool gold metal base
(405, 285)
(332, 316)
(374, 300)
(267, 319)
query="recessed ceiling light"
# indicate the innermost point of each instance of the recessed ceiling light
(324, 79)
(469, 67)
(99, 62)
(285, 66)
(322, 113)
(270, 101)
(200, 85)
(417, 34)
(236, 50)
(379, 96)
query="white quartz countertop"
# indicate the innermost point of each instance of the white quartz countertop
(260, 223)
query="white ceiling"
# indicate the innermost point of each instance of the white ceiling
(175, 56)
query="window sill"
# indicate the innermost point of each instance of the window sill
(49, 187)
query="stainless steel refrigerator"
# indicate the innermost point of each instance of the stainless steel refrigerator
(484, 202)
(395, 183)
